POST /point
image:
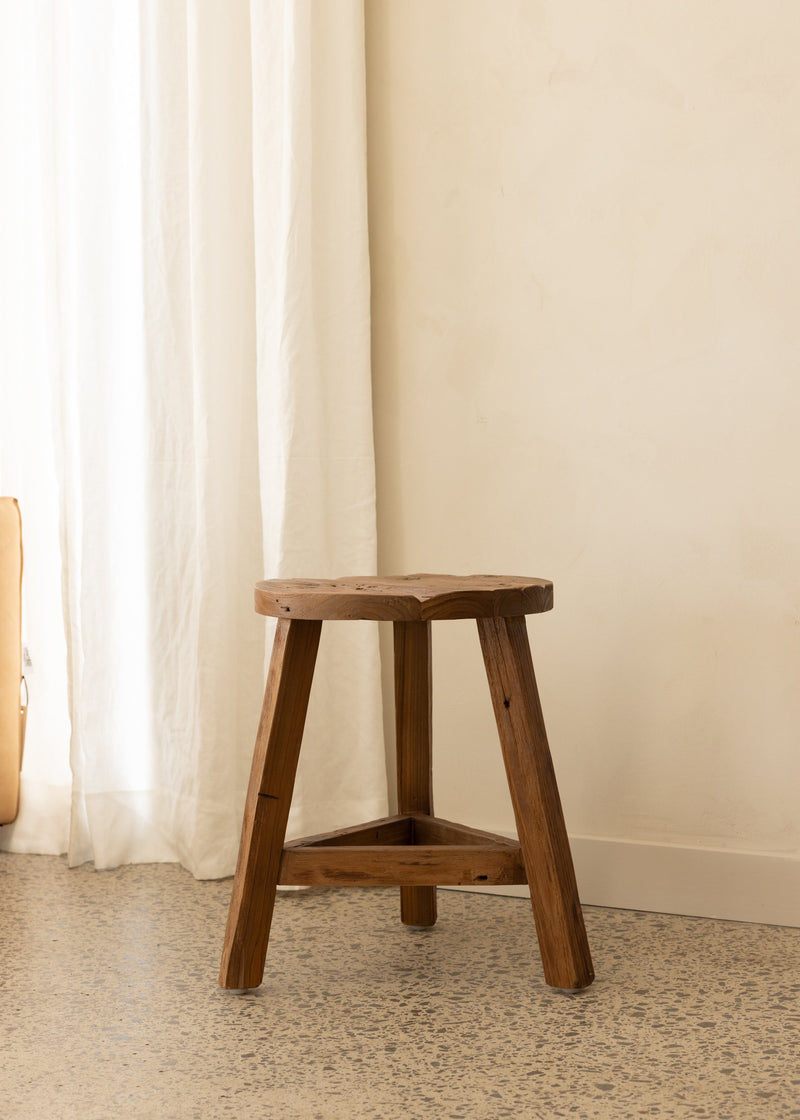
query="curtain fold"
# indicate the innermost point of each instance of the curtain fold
(315, 406)
(202, 217)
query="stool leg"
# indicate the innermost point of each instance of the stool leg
(269, 798)
(537, 807)
(414, 721)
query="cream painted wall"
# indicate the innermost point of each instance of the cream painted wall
(586, 284)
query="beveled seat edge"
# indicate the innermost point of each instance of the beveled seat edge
(419, 598)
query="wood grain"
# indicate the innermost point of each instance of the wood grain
(406, 829)
(435, 830)
(414, 598)
(537, 807)
(386, 830)
(400, 850)
(402, 865)
(414, 740)
(269, 798)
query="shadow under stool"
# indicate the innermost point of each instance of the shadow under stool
(412, 850)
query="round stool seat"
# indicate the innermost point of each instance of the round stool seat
(417, 598)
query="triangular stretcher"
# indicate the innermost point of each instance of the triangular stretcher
(408, 849)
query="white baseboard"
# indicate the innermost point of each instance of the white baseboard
(706, 882)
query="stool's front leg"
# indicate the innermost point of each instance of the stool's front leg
(413, 722)
(537, 807)
(269, 798)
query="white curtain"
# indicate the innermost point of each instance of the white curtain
(186, 408)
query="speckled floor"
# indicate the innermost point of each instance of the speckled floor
(109, 1008)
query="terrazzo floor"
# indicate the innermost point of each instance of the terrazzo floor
(109, 1008)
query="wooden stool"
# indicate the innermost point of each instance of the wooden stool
(413, 850)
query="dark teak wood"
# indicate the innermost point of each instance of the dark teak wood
(414, 736)
(269, 798)
(412, 849)
(537, 805)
